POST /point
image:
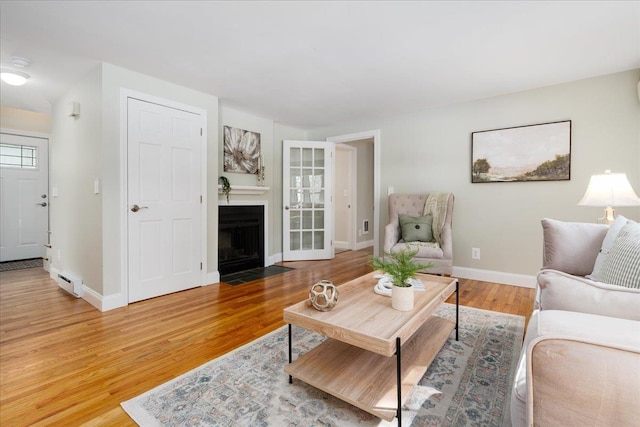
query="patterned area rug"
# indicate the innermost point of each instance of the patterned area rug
(468, 384)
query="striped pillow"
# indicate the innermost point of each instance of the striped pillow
(622, 265)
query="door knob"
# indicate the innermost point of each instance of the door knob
(286, 208)
(136, 208)
(43, 204)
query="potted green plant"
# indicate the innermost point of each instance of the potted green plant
(400, 267)
(226, 187)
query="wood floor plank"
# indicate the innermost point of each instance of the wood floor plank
(62, 362)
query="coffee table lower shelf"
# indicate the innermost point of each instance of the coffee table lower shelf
(369, 380)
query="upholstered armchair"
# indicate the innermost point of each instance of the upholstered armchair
(438, 251)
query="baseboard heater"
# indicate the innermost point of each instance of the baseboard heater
(70, 284)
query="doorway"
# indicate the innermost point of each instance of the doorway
(24, 204)
(373, 140)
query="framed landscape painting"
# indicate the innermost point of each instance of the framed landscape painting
(539, 152)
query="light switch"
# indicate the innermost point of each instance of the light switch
(54, 191)
(96, 186)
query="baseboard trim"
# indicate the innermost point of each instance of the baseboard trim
(338, 244)
(275, 258)
(100, 302)
(501, 277)
(362, 245)
(103, 303)
(211, 278)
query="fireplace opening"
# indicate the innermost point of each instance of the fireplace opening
(240, 238)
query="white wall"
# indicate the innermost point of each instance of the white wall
(271, 136)
(115, 78)
(239, 119)
(87, 227)
(431, 151)
(75, 214)
(13, 118)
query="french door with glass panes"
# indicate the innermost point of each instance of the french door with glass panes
(308, 200)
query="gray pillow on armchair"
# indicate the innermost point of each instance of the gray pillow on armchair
(416, 228)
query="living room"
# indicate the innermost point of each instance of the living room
(420, 150)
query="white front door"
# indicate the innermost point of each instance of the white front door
(164, 199)
(308, 200)
(24, 204)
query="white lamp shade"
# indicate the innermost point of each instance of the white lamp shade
(611, 189)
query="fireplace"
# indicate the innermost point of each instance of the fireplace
(240, 238)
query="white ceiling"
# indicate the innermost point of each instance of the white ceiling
(311, 64)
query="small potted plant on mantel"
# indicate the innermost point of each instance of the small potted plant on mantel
(226, 187)
(400, 267)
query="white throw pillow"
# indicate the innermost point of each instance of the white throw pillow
(607, 243)
(622, 265)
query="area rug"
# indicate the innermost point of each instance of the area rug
(468, 384)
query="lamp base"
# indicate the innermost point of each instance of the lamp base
(609, 215)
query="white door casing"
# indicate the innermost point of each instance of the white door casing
(345, 197)
(307, 195)
(164, 199)
(24, 204)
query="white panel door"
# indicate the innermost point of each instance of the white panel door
(24, 204)
(308, 200)
(164, 199)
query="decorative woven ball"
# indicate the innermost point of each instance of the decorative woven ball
(323, 295)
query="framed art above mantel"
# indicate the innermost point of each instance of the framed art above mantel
(241, 150)
(540, 152)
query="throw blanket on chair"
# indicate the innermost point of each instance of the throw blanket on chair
(436, 205)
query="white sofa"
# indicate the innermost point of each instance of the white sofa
(580, 360)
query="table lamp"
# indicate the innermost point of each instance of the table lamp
(608, 190)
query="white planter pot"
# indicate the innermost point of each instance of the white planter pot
(402, 298)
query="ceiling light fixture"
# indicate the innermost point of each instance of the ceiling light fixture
(14, 77)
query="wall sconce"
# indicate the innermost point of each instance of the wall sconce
(73, 109)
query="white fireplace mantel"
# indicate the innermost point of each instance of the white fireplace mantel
(245, 189)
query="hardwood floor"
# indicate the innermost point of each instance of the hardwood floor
(62, 362)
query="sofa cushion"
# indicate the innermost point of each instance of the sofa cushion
(425, 249)
(610, 237)
(571, 247)
(416, 228)
(622, 264)
(562, 291)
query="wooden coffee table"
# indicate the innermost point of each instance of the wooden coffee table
(355, 363)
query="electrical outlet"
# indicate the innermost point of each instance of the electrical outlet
(475, 253)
